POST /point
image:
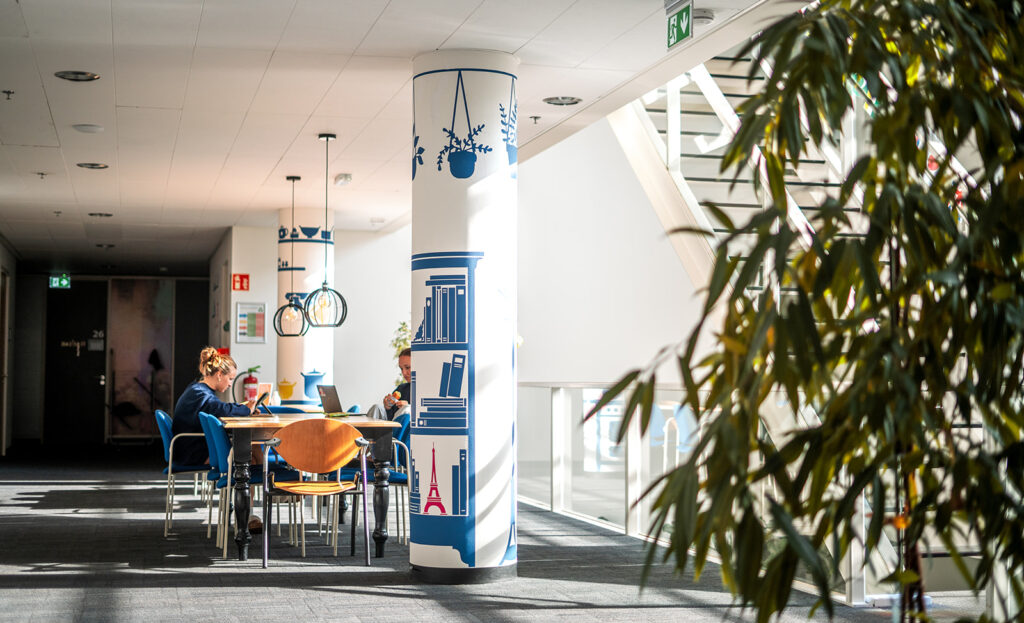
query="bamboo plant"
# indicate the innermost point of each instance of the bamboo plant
(906, 340)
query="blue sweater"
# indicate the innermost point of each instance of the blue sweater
(198, 397)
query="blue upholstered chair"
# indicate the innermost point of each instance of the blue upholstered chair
(174, 469)
(221, 455)
(400, 474)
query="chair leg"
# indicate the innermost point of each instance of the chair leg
(334, 523)
(168, 501)
(366, 525)
(267, 519)
(227, 513)
(209, 515)
(302, 526)
(354, 522)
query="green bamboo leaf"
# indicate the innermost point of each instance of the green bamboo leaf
(613, 392)
(804, 550)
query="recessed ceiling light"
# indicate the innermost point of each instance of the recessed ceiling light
(88, 128)
(77, 76)
(101, 214)
(104, 245)
(562, 100)
(93, 165)
(342, 178)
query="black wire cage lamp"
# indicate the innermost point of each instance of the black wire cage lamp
(326, 307)
(290, 319)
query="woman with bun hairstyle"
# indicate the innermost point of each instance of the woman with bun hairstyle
(218, 371)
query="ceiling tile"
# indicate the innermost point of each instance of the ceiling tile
(225, 79)
(24, 115)
(296, 82)
(409, 27)
(12, 24)
(365, 86)
(151, 76)
(329, 26)
(243, 24)
(156, 24)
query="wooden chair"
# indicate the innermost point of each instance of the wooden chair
(317, 446)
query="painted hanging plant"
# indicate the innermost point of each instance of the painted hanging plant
(509, 124)
(457, 146)
(508, 129)
(461, 151)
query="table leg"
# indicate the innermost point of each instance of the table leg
(381, 474)
(243, 458)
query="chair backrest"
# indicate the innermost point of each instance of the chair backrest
(217, 441)
(211, 446)
(318, 446)
(402, 434)
(356, 408)
(163, 422)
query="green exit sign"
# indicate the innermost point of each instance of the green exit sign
(61, 282)
(680, 25)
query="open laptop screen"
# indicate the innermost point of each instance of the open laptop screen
(329, 398)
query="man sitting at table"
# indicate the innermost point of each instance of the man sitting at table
(398, 400)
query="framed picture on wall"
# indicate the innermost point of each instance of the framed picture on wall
(251, 323)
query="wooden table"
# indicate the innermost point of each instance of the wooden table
(245, 430)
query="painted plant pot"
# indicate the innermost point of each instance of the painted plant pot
(512, 152)
(461, 163)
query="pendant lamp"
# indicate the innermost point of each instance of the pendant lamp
(290, 319)
(326, 307)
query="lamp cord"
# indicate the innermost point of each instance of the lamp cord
(291, 266)
(327, 166)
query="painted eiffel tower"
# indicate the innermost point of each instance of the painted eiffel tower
(433, 497)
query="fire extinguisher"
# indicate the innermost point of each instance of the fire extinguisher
(250, 384)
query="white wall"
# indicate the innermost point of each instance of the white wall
(600, 288)
(254, 253)
(373, 274)
(251, 251)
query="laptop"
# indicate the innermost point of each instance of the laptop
(330, 401)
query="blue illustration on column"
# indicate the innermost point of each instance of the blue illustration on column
(417, 153)
(441, 502)
(509, 125)
(461, 152)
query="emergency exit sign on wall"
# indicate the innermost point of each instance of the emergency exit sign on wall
(680, 26)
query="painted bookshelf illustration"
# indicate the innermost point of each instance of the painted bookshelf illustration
(442, 482)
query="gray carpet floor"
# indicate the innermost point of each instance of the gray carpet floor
(82, 540)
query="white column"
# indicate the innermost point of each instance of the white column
(304, 362)
(462, 493)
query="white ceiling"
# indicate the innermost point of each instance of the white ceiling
(207, 105)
